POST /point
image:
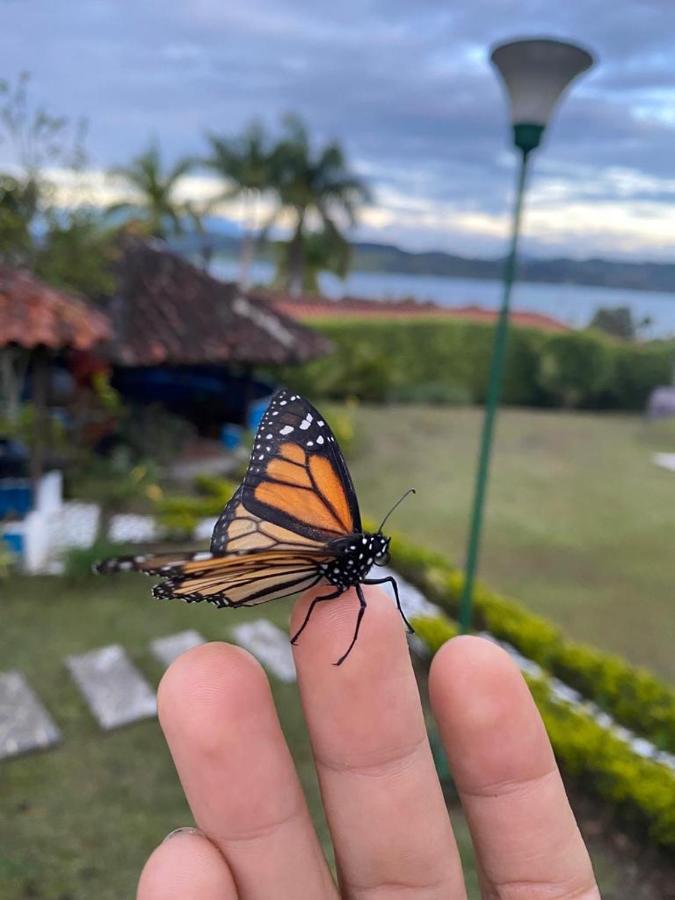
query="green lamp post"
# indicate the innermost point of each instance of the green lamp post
(535, 73)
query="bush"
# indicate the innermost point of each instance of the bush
(79, 562)
(179, 514)
(114, 482)
(574, 369)
(447, 361)
(641, 792)
(631, 695)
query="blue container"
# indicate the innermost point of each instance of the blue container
(231, 436)
(256, 411)
(16, 498)
(14, 542)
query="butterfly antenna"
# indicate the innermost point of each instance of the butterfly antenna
(395, 506)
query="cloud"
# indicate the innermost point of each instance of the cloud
(406, 86)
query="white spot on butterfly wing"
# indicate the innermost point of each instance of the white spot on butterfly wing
(287, 429)
(319, 440)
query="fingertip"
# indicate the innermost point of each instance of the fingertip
(207, 685)
(186, 866)
(488, 719)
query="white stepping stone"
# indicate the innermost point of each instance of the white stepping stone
(114, 689)
(270, 645)
(132, 528)
(414, 602)
(204, 529)
(25, 724)
(168, 648)
(665, 460)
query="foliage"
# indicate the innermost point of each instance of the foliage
(381, 360)
(150, 432)
(19, 204)
(114, 482)
(618, 322)
(569, 371)
(633, 696)
(341, 421)
(324, 251)
(66, 247)
(179, 514)
(245, 165)
(79, 562)
(640, 791)
(75, 253)
(312, 185)
(7, 560)
(154, 188)
(22, 427)
(37, 137)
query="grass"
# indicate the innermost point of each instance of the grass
(579, 527)
(579, 523)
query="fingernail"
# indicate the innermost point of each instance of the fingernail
(187, 829)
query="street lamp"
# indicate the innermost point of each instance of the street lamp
(536, 73)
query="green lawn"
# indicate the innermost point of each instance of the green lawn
(580, 524)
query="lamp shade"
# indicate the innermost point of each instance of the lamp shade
(536, 73)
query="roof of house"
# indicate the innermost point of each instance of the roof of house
(34, 314)
(320, 307)
(167, 311)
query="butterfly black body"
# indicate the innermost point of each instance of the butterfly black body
(293, 523)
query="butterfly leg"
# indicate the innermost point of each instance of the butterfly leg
(392, 581)
(362, 609)
(316, 600)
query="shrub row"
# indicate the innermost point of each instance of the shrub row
(447, 361)
(641, 792)
(179, 514)
(631, 695)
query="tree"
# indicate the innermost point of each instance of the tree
(35, 139)
(245, 164)
(76, 252)
(324, 251)
(19, 205)
(312, 186)
(155, 204)
(619, 322)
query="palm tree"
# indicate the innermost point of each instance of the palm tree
(316, 186)
(155, 203)
(245, 164)
(324, 251)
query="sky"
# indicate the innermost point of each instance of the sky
(405, 85)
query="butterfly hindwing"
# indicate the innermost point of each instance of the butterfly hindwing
(242, 580)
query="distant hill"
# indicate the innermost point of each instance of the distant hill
(640, 276)
(373, 257)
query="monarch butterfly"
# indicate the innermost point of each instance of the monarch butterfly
(293, 522)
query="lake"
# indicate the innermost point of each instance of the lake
(570, 303)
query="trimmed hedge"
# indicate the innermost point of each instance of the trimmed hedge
(447, 361)
(640, 791)
(631, 695)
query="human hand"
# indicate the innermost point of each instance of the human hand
(383, 801)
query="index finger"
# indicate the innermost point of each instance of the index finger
(382, 798)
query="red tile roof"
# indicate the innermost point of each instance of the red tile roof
(321, 307)
(165, 310)
(34, 314)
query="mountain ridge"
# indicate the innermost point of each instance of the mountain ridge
(371, 256)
